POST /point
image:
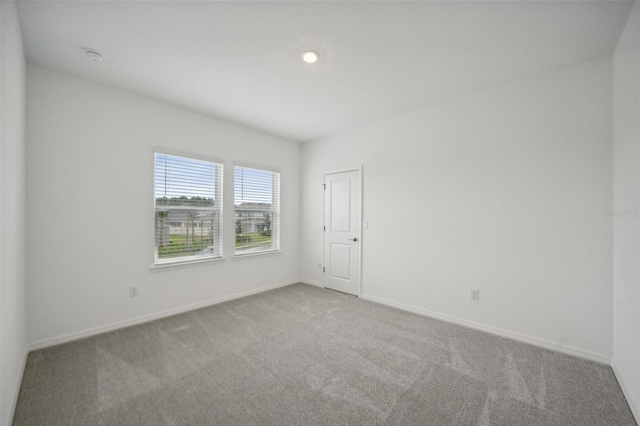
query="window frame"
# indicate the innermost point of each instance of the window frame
(276, 213)
(219, 208)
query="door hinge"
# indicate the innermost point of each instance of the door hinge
(323, 269)
(324, 186)
(324, 228)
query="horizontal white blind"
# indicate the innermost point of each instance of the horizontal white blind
(188, 208)
(257, 209)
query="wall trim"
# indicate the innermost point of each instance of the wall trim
(632, 406)
(311, 282)
(16, 392)
(513, 335)
(76, 335)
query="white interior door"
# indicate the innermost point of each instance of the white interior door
(342, 231)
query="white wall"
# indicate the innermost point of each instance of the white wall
(626, 197)
(90, 206)
(12, 213)
(505, 191)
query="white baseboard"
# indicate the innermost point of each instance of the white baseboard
(632, 405)
(311, 282)
(524, 338)
(535, 341)
(45, 343)
(16, 391)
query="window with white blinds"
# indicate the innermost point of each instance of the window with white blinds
(188, 209)
(257, 210)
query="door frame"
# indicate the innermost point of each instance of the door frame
(324, 222)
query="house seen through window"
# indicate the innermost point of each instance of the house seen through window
(188, 209)
(257, 210)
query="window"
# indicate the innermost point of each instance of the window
(188, 209)
(257, 208)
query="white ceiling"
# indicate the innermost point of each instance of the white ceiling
(240, 61)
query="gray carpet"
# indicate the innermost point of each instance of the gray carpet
(304, 355)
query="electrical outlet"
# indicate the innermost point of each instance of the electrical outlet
(475, 294)
(133, 291)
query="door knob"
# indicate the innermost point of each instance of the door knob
(353, 239)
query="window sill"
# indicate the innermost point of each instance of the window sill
(239, 256)
(185, 264)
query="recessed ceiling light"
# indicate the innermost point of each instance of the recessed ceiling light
(94, 56)
(310, 57)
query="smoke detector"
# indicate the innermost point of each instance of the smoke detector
(94, 56)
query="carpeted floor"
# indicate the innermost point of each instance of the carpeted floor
(304, 355)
